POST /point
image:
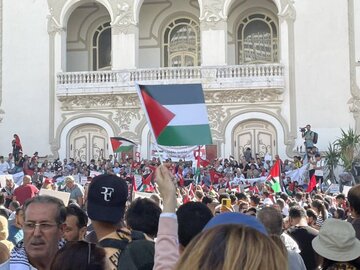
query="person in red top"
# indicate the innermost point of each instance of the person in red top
(25, 191)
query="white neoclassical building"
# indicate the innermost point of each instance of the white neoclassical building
(268, 67)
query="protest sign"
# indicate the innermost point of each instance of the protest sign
(64, 196)
(346, 190)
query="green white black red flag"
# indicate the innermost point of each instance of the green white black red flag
(176, 114)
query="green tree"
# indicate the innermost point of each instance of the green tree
(347, 146)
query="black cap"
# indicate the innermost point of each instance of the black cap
(107, 197)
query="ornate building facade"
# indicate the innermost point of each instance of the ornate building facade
(268, 67)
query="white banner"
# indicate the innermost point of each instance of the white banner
(138, 194)
(64, 196)
(175, 152)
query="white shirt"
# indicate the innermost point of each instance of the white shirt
(268, 201)
(4, 167)
(319, 172)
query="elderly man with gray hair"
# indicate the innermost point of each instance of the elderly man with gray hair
(76, 190)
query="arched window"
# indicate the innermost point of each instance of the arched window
(181, 44)
(257, 40)
(101, 47)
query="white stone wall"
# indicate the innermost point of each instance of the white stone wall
(322, 68)
(25, 81)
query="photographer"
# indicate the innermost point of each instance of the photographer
(308, 135)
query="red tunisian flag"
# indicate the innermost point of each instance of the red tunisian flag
(312, 184)
(215, 176)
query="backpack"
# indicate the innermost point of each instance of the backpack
(138, 254)
(315, 138)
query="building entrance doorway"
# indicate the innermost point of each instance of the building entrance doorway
(258, 135)
(88, 142)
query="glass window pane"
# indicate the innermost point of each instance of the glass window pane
(104, 48)
(182, 38)
(257, 39)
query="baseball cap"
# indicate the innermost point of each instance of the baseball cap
(236, 218)
(337, 241)
(107, 197)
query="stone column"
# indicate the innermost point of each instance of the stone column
(56, 36)
(287, 17)
(213, 27)
(354, 65)
(124, 38)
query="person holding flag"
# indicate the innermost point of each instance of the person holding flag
(273, 179)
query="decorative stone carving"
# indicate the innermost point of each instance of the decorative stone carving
(53, 26)
(124, 117)
(216, 118)
(99, 101)
(212, 14)
(243, 96)
(288, 12)
(213, 11)
(124, 18)
(130, 135)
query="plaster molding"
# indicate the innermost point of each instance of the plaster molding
(124, 21)
(99, 101)
(273, 112)
(288, 11)
(72, 120)
(217, 115)
(124, 117)
(212, 15)
(244, 96)
(53, 26)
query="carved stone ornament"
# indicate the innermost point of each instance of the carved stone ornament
(124, 18)
(243, 96)
(216, 117)
(288, 12)
(354, 105)
(212, 14)
(124, 117)
(53, 26)
(1, 115)
(99, 101)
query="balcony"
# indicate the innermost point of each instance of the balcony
(262, 76)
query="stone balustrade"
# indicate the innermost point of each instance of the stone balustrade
(260, 76)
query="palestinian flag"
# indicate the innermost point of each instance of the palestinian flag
(273, 178)
(176, 113)
(120, 144)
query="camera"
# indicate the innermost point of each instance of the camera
(302, 129)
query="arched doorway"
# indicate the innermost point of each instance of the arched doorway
(258, 135)
(88, 142)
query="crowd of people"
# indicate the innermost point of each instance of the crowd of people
(190, 215)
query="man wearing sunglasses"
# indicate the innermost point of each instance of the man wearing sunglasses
(43, 226)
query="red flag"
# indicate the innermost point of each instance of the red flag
(133, 183)
(214, 176)
(204, 162)
(180, 178)
(147, 180)
(228, 185)
(149, 188)
(191, 191)
(312, 184)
